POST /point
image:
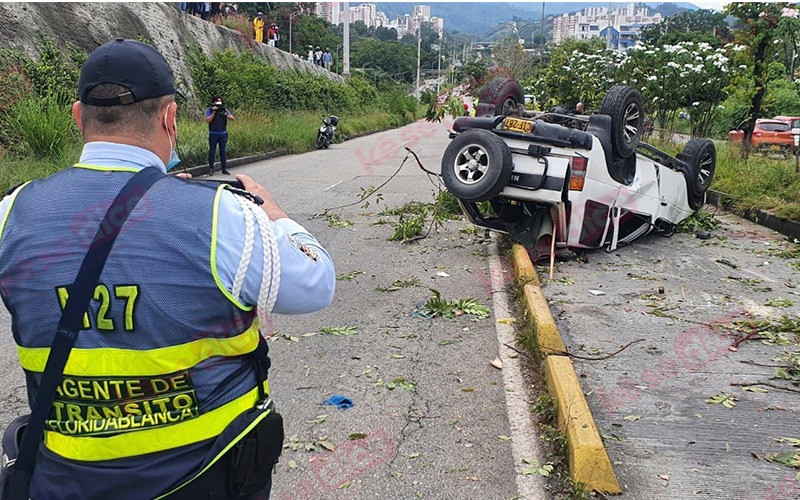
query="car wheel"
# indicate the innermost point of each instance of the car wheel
(625, 106)
(476, 165)
(703, 155)
(501, 97)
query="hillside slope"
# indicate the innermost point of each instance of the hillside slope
(89, 25)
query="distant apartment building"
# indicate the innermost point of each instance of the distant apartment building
(381, 19)
(438, 25)
(330, 11)
(365, 13)
(423, 11)
(619, 26)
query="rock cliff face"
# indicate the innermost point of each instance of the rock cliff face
(89, 25)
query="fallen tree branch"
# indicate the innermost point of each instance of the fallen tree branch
(585, 358)
(766, 384)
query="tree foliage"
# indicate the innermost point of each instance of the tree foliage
(760, 28)
(688, 26)
(511, 55)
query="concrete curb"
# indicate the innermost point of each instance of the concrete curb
(588, 460)
(235, 162)
(769, 220)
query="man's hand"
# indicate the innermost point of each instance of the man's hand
(270, 206)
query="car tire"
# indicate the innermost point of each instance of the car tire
(501, 97)
(625, 106)
(702, 156)
(476, 165)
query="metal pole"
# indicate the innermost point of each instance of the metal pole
(419, 55)
(290, 32)
(439, 73)
(541, 51)
(346, 49)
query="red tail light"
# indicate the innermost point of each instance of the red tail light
(577, 175)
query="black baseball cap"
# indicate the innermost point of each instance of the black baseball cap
(138, 67)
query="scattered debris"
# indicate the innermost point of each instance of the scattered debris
(632, 418)
(339, 330)
(437, 306)
(399, 284)
(335, 221)
(597, 292)
(779, 302)
(496, 363)
(348, 276)
(442, 274)
(725, 399)
(357, 435)
(727, 263)
(532, 467)
(341, 402)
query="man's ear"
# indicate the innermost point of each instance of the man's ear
(76, 114)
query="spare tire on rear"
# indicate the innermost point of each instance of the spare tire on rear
(476, 165)
(500, 97)
(625, 106)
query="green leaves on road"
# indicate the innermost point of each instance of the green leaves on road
(339, 330)
(399, 284)
(348, 276)
(725, 399)
(532, 467)
(438, 306)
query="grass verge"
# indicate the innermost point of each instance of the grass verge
(251, 133)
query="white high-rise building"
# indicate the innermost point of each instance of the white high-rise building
(365, 13)
(330, 11)
(423, 11)
(438, 25)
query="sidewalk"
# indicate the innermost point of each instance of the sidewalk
(649, 401)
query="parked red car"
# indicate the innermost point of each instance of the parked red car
(768, 134)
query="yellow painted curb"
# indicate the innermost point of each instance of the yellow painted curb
(547, 336)
(588, 461)
(526, 272)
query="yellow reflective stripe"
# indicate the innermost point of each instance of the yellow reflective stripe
(10, 204)
(141, 442)
(221, 453)
(214, 220)
(110, 361)
(106, 169)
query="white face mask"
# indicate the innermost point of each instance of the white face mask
(173, 158)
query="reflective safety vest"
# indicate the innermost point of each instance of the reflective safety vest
(161, 366)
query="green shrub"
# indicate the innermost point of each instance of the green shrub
(44, 125)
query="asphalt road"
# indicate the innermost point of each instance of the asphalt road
(680, 299)
(429, 409)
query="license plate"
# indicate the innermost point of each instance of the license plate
(517, 125)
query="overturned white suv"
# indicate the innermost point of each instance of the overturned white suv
(560, 180)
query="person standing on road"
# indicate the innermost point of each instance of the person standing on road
(217, 116)
(311, 54)
(258, 27)
(272, 35)
(170, 364)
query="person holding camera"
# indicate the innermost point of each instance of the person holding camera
(217, 116)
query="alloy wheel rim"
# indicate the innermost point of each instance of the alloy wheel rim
(471, 164)
(631, 122)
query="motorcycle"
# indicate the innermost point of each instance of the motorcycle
(325, 132)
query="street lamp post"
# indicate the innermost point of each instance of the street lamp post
(291, 16)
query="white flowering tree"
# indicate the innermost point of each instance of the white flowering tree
(687, 75)
(579, 71)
